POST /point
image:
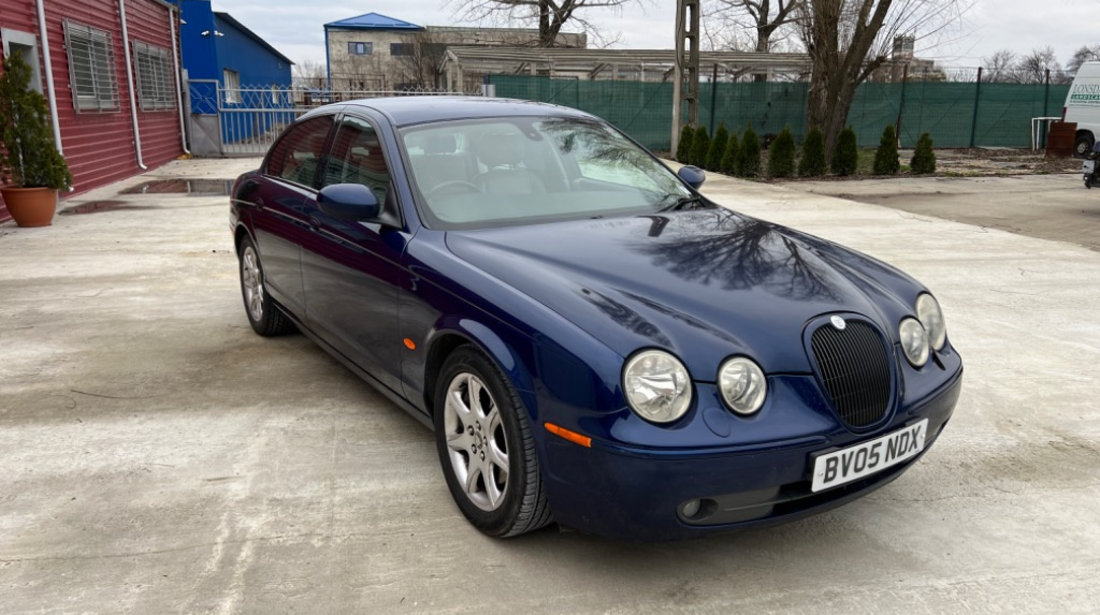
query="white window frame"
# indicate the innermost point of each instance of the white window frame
(231, 86)
(25, 40)
(355, 46)
(92, 79)
(153, 68)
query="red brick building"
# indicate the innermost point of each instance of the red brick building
(110, 71)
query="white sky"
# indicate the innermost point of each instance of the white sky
(296, 28)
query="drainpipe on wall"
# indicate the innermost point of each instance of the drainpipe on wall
(130, 82)
(179, 85)
(51, 94)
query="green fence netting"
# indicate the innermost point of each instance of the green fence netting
(955, 114)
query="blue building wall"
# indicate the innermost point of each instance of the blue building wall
(255, 62)
(228, 44)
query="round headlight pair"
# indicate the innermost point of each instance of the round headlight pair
(924, 333)
(742, 384)
(657, 385)
(931, 316)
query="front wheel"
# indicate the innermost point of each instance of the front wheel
(486, 448)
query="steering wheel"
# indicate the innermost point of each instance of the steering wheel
(454, 186)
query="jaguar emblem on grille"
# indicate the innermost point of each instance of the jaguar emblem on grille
(838, 322)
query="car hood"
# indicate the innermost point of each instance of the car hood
(704, 284)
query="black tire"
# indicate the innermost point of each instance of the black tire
(521, 506)
(1083, 145)
(263, 314)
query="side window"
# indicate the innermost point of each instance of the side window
(356, 158)
(297, 155)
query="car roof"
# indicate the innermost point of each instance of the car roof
(407, 110)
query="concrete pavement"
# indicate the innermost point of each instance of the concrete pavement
(1055, 206)
(159, 457)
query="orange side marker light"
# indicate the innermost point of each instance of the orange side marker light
(572, 436)
(411, 345)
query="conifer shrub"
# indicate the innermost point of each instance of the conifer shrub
(700, 143)
(846, 154)
(924, 159)
(781, 154)
(728, 165)
(28, 156)
(717, 148)
(886, 156)
(748, 154)
(683, 149)
(813, 162)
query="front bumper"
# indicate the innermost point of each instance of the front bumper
(638, 494)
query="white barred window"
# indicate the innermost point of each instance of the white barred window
(154, 77)
(231, 86)
(91, 68)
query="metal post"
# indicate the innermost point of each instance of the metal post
(687, 68)
(901, 104)
(713, 96)
(977, 98)
(1046, 93)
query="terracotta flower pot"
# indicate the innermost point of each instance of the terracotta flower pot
(31, 206)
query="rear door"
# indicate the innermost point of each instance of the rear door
(281, 221)
(352, 271)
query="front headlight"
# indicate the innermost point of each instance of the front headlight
(914, 341)
(742, 384)
(931, 316)
(657, 386)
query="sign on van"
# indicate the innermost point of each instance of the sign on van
(1085, 94)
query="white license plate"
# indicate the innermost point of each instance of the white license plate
(855, 462)
(1087, 166)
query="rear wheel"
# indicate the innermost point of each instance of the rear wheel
(1083, 144)
(486, 448)
(263, 315)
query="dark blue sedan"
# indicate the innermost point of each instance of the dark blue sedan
(592, 341)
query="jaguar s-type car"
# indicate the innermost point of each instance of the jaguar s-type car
(592, 341)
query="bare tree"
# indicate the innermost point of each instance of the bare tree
(762, 17)
(1033, 67)
(1086, 53)
(1000, 67)
(309, 74)
(552, 15)
(418, 66)
(848, 39)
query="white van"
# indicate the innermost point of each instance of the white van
(1083, 106)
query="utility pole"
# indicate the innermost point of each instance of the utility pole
(685, 88)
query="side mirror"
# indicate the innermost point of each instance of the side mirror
(692, 175)
(349, 202)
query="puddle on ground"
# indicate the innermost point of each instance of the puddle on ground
(195, 187)
(92, 207)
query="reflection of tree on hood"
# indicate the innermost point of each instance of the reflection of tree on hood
(739, 253)
(625, 316)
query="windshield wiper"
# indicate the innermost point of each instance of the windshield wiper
(687, 202)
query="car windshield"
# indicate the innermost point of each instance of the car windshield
(517, 170)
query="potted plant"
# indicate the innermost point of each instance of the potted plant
(31, 168)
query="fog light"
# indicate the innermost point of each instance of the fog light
(690, 508)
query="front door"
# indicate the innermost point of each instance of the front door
(352, 270)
